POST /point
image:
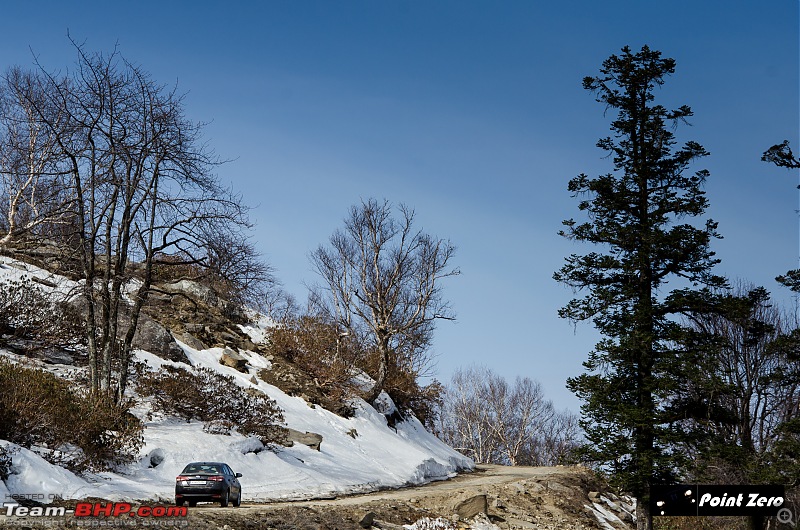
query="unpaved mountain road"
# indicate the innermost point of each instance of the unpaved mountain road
(484, 475)
(519, 498)
(545, 498)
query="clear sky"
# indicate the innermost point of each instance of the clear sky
(470, 111)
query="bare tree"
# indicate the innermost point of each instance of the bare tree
(491, 421)
(749, 388)
(518, 414)
(382, 281)
(143, 187)
(236, 268)
(34, 190)
(464, 420)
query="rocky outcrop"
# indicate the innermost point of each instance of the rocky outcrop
(193, 290)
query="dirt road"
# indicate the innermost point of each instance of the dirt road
(518, 497)
(544, 498)
(483, 476)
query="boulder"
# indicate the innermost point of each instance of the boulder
(190, 340)
(233, 359)
(367, 520)
(153, 337)
(311, 439)
(469, 508)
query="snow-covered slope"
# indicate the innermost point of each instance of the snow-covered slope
(358, 454)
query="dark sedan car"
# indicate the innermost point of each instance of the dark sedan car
(208, 482)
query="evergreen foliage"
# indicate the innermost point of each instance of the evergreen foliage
(640, 217)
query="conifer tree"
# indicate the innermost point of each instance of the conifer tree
(643, 220)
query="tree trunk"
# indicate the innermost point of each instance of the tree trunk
(383, 371)
(644, 519)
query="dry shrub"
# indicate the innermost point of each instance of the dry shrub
(331, 357)
(81, 432)
(26, 311)
(6, 456)
(214, 399)
(701, 523)
(109, 434)
(409, 396)
(169, 268)
(321, 351)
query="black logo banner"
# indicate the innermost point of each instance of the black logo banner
(700, 500)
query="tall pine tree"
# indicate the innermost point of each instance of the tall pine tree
(642, 218)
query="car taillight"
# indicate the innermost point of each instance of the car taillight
(216, 478)
(181, 477)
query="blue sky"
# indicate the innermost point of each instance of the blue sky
(473, 113)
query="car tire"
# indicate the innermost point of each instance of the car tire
(223, 502)
(178, 502)
(192, 504)
(238, 501)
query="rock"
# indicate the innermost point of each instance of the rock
(150, 334)
(190, 340)
(594, 496)
(352, 433)
(227, 337)
(233, 359)
(384, 525)
(558, 487)
(51, 355)
(469, 508)
(519, 488)
(535, 487)
(367, 520)
(153, 337)
(193, 290)
(46, 283)
(194, 328)
(311, 439)
(156, 457)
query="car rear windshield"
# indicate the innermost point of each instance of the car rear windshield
(202, 469)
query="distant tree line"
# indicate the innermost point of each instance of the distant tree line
(494, 422)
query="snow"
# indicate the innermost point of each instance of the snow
(258, 328)
(14, 270)
(604, 516)
(377, 457)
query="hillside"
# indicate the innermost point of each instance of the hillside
(357, 454)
